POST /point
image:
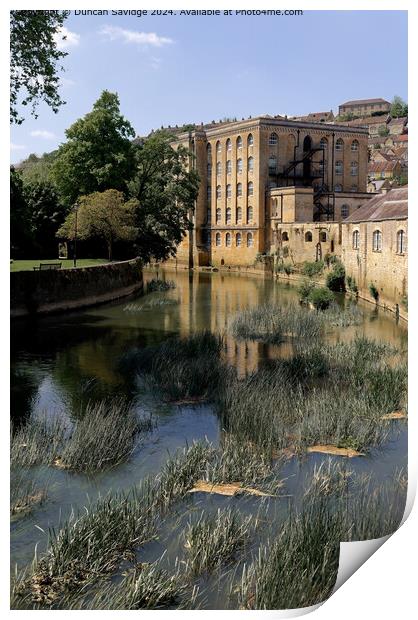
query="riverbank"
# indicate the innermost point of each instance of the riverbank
(47, 292)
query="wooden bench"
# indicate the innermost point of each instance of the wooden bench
(47, 266)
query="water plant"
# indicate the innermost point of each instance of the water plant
(312, 269)
(335, 279)
(321, 298)
(160, 285)
(38, 441)
(374, 292)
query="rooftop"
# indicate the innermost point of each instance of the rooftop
(364, 101)
(390, 206)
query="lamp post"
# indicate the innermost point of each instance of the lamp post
(76, 205)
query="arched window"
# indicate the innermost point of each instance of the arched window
(229, 167)
(354, 145)
(239, 142)
(228, 240)
(239, 214)
(339, 145)
(401, 242)
(285, 236)
(218, 216)
(338, 167)
(208, 216)
(228, 145)
(308, 236)
(250, 214)
(356, 240)
(250, 188)
(353, 188)
(228, 191)
(239, 166)
(218, 169)
(272, 164)
(250, 164)
(239, 189)
(323, 144)
(218, 239)
(218, 147)
(250, 240)
(238, 240)
(345, 211)
(250, 139)
(228, 215)
(354, 168)
(377, 241)
(209, 152)
(209, 193)
(273, 139)
(338, 188)
(209, 168)
(218, 192)
(322, 236)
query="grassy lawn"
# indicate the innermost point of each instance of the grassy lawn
(28, 265)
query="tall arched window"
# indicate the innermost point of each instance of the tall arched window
(250, 240)
(377, 241)
(218, 192)
(345, 211)
(239, 166)
(218, 216)
(308, 236)
(228, 240)
(354, 145)
(250, 164)
(218, 239)
(285, 236)
(209, 152)
(209, 168)
(228, 215)
(239, 142)
(338, 167)
(250, 188)
(239, 214)
(228, 145)
(218, 147)
(338, 188)
(229, 167)
(354, 168)
(208, 215)
(218, 169)
(239, 189)
(322, 236)
(273, 164)
(209, 193)
(339, 145)
(238, 240)
(323, 144)
(250, 214)
(356, 240)
(401, 242)
(273, 139)
(228, 191)
(250, 140)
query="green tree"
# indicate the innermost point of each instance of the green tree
(398, 108)
(34, 55)
(20, 228)
(98, 154)
(103, 215)
(37, 169)
(165, 187)
(46, 214)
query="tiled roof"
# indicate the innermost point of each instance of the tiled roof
(401, 138)
(363, 101)
(382, 166)
(390, 206)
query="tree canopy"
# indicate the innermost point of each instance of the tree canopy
(34, 60)
(398, 108)
(98, 154)
(20, 230)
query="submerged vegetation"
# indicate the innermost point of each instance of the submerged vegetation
(160, 285)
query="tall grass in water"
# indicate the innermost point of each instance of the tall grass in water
(106, 435)
(38, 442)
(160, 285)
(26, 491)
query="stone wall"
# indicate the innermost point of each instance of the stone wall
(45, 292)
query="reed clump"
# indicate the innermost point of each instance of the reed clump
(157, 285)
(38, 442)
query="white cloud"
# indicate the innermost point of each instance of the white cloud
(66, 82)
(65, 38)
(115, 33)
(17, 147)
(42, 133)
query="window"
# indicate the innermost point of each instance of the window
(228, 145)
(250, 214)
(209, 152)
(208, 216)
(250, 140)
(218, 169)
(353, 188)
(323, 144)
(401, 242)
(285, 236)
(345, 211)
(218, 192)
(239, 189)
(273, 140)
(218, 239)
(250, 188)
(356, 240)
(272, 164)
(354, 145)
(338, 188)
(250, 164)
(209, 193)
(339, 145)
(322, 236)
(218, 216)
(338, 167)
(228, 215)
(228, 240)
(239, 166)
(377, 241)
(250, 240)
(354, 168)
(218, 147)
(308, 236)
(238, 240)
(209, 169)
(228, 191)
(239, 214)
(239, 142)
(229, 167)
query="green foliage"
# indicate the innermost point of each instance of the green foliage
(398, 108)
(335, 280)
(304, 289)
(321, 298)
(45, 214)
(98, 154)
(373, 291)
(404, 302)
(312, 268)
(383, 131)
(36, 169)
(351, 283)
(34, 54)
(20, 226)
(156, 285)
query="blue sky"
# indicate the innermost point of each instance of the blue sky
(174, 70)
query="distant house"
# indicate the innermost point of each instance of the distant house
(378, 187)
(397, 126)
(384, 169)
(317, 117)
(364, 107)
